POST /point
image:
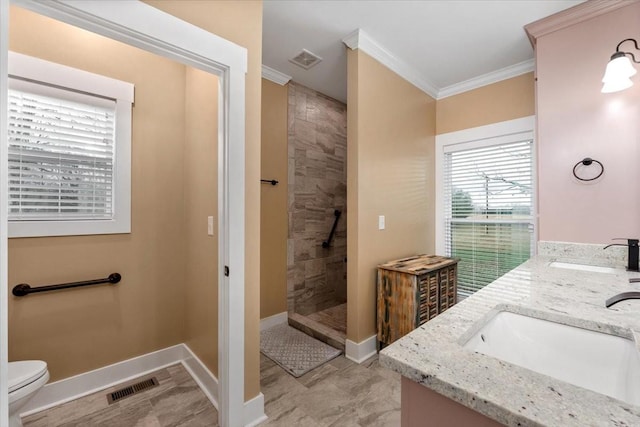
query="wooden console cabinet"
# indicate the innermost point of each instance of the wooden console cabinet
(411, 291)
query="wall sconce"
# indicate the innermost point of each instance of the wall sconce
(619, 70)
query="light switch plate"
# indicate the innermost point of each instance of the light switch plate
(210, 225)
(381, 222)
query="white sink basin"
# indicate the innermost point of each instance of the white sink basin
(582, 267)
(596, 361)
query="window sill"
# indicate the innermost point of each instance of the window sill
(19, 229)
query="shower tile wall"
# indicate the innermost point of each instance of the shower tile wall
(317, 134)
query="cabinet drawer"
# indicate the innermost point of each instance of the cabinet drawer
(447, 288)
(427, 298)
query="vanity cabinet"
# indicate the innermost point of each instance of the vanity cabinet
(420, 403)
(412, 291)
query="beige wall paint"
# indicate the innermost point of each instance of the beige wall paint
(390, 155)
(354, 297)
(201, 201)
(273, 202)
(505, 100)
(241, 23)
(146, 311)
(79, 330)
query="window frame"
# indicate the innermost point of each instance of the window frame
(482, 136)
(73, 79)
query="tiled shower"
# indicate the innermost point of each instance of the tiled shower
(317, 163)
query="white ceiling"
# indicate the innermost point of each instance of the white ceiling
(444, 42)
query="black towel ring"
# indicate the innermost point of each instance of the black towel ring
(587, 161)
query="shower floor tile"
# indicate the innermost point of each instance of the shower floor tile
(333, 317)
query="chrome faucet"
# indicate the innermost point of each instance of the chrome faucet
(633, 253)
(621, 297)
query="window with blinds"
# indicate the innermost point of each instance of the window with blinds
(69, 150)
(488, 203)
(61, 154)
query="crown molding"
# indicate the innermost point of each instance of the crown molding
(352, 39)
(275, 75)
(573, 15)
(487, 79)
(361, 40)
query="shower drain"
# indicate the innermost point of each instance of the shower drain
(131, 390)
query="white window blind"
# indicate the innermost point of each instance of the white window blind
(488, 203)
(69, 146)
(61, 154)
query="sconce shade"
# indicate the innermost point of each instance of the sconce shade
(618, 73)
(616, 86)
(618, 68)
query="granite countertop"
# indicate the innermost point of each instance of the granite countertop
(433, 356)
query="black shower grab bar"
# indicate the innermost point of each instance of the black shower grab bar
(24, 289)
(270, 181)
(327, 242)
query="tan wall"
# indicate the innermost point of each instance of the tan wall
(241, 23)
(273, 202)
(200, 201)
(390, 153)
(145, 311)
(506, 100)
(79, 330)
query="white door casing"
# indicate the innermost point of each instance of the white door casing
(148, 28)
(4, 288)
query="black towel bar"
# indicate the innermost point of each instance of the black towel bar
(24, 289)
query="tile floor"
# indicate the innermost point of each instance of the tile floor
(177, 401)
(333, 317)
(338, 393)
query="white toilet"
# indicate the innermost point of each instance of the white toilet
(26, 378)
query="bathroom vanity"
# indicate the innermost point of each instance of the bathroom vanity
(581, 366)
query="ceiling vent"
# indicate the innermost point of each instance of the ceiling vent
(306, 59)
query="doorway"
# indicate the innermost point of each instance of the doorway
(317, 238)
(148, 28)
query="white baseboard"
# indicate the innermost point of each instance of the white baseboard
(68, 389)
(254, 411)
(359, 352)
(274, 320)
(201, 375)
(63, 391)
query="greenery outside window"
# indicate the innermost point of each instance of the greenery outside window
(488, 203)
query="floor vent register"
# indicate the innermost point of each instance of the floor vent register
(131, 390)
